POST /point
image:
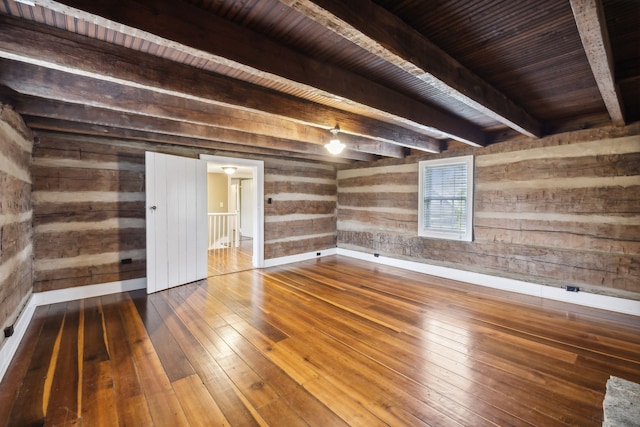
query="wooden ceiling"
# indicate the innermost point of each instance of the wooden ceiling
(271, 77)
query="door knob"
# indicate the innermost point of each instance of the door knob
(153, 208)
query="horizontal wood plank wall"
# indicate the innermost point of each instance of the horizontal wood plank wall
(89, 208)
(556, 212)
(16, 265)
(302, 215)
(89, 213)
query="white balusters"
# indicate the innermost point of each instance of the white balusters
(224, 230)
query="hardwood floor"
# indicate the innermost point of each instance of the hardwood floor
(231, 260)
(327, 342)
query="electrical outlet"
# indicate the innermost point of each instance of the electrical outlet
(126, 261)
(318, 253)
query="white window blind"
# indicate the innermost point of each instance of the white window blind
(446, 198)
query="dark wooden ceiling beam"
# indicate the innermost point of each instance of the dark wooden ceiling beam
(58, 50)
(60, 86)
(592, 26)
(70, 131)
(211, 38)
(93, 116)
(385, 35)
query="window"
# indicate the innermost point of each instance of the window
(446, 198)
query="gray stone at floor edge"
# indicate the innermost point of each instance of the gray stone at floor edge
(621, 403)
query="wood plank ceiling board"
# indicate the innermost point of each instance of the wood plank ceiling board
(377, 30)
(186, 84)
(395, 75)
(529, 50)
(218, 40)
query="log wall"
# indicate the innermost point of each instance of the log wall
(89, 213)
(302, 214)
(550, 211)
(89, 209)
(554, 211)
(16, 270)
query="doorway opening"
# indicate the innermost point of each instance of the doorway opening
(235, 208)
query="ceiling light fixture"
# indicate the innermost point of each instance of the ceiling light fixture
(335, 146)
(229, 170)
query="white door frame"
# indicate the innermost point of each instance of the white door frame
(257, 167)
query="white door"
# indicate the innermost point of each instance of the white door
(246, 208)
(233, 197)
(176, 192)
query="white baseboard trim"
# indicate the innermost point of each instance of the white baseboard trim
(619, 305)
(273, 262)
(88, 291)
(10, 345)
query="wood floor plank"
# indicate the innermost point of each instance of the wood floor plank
(203, 349)
(368, 342)
(541, 398)
(330, 341)
(198, 405)
(14, 378)
(246, 307)
(164, 406)
(173, 360)
(390, 402)
(303, 403)
(343, 404)
(279, 408)
(97, 401)
(328, 319)
(510, 313)
(63, 397)
(253, 387)
(525, 373)
(370, 389)
(192, 346)
(30, 405)
(131, 404)
(96, 347)
(523, 311)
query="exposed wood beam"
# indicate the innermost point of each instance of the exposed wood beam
(378, 31)
(93, 116)
(57, 85)
(71, 131)
(592, 26)
(182, 26)
(372, 147)
(40, 82)
(58, 50)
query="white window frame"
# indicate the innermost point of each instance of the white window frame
(467, 235)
